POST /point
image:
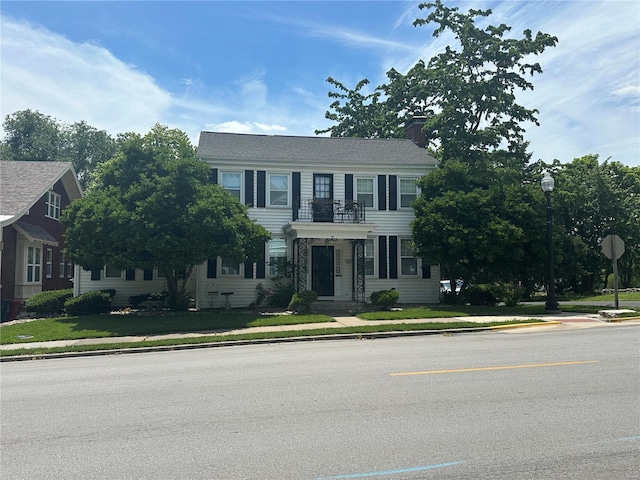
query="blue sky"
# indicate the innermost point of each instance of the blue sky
(261, 67)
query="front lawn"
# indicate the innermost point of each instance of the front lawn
(99, 326)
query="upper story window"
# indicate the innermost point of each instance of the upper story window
(365, 192)
(34, 264)
(277, 254)
(408, 261)
(53, 205)
(232, 183)
(408, 191)
(369, 257)
(278, 190)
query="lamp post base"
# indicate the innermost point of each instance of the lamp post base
(552, 306)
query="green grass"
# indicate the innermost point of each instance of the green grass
(100, 326)
(443, 311)
(363, 330)
(628, 296)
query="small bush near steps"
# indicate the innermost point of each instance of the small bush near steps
(301, 302)
(384, 299)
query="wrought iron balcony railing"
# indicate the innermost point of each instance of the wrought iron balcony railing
(330, 210)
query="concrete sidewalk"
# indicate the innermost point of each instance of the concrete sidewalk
(340, 322)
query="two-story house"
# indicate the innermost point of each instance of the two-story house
(32, 196)
(338, 209)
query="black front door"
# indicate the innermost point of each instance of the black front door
(323, 197)
(322, 261)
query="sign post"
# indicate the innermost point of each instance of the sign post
(613, 248)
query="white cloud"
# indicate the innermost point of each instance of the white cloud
(235, 126)
(72, 82)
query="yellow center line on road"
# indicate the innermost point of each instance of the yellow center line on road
(499, 367)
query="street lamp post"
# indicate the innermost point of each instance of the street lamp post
(551, 305)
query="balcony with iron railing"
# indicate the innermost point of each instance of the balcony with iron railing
(330, 211)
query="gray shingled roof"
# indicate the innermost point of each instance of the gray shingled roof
(316, 150)
(23, 183)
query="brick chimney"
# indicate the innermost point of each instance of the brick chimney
(414, 130)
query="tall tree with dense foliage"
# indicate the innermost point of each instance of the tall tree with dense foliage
(33, 136)
(477, 215)
(595, 199)
(152, 205)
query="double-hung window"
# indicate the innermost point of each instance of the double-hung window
(48, 263)
(112, 272)
(232, 183)
(34, 264)
(53, 205)
(365, 192)
(278, 190)
(229, 267)
(277, 254)
(408, 261)
(408, 191)
(369, 257)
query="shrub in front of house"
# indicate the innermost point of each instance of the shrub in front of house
(88, 304)
(481, 295)
(50, 302)
(384, 299)
(301, 301)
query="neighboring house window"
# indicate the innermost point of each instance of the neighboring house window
(53, 205)
(278, 190)
(364, 192)
(408, 261)
(112, 272)
(230, 267)
(48, 263)
(34, 264)
(369, 257)
(69, 268)
(408, 191)
(277, 250)
(61, 265)
(65, 266)
(232, 183)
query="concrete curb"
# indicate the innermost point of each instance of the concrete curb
(302, 338)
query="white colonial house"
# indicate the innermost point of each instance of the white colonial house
(338, 209)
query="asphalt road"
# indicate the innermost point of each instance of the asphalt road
(522, 404)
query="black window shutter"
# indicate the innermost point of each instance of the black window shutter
(214, 175)
(148, 274)
(248, 187)
(382, 192)
(212, 268)
(130, 274)
(393, 257)
(261, 268)
(248, 269)
(426, 270)
(95, 274)
(393, 192)
(348, 187)
(382, 257)
(295, 194)
(262, 188)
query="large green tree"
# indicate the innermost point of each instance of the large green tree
(479, 214)
(152, 205)
(592, 200)
(33, 136)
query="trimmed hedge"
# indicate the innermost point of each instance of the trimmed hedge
(384, 299)
(481, 295)
(49, 302)
(88, 303)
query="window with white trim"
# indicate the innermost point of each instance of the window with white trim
(112, 272)
(338, 258)
(232, 183)
(369, 257)
(229, 267)
(278, 190)
(408, 191)
(48, 263)
(34, 264)
(408, 261)
(61, 265)
(277, 251)
(365, 192)
(53, 205)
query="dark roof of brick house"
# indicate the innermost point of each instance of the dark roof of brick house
(22, 184)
